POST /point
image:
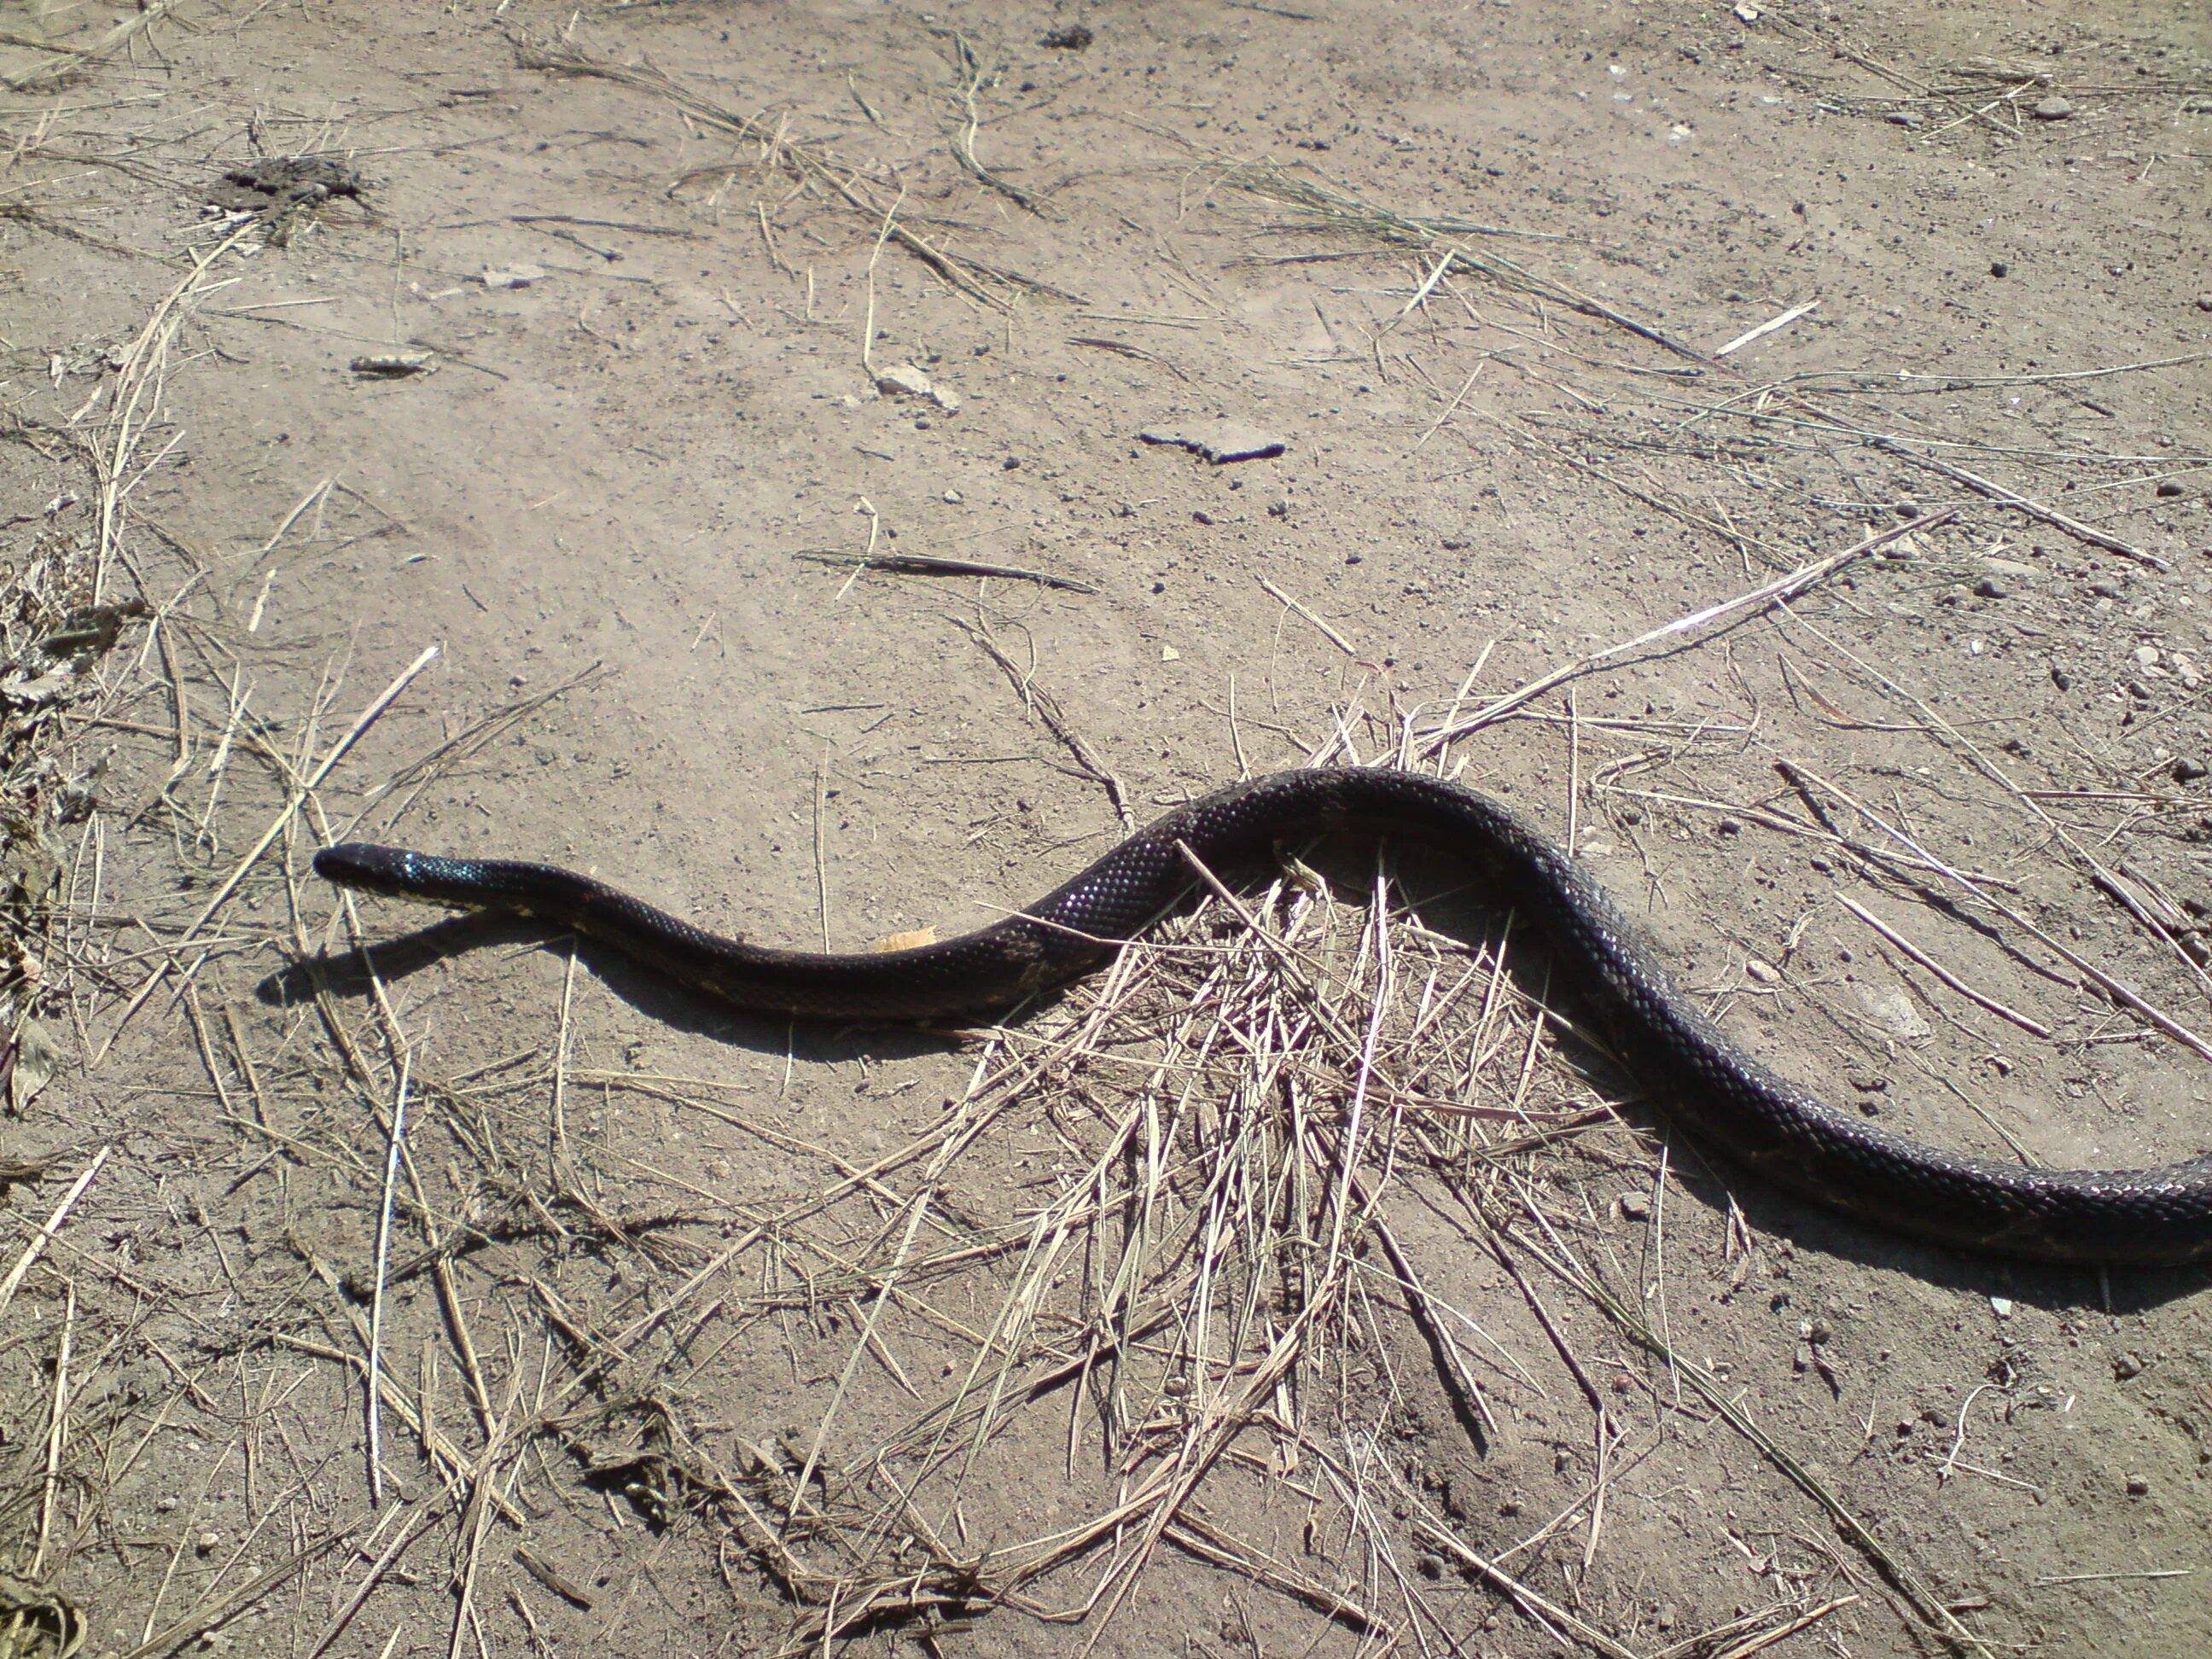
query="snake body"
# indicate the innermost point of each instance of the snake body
(1721, 1095)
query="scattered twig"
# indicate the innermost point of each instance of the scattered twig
(1770, 325)
(2033, 1027)
(373, 1397)
(44, 1235)
(293, 802)
(2013, 498)
(971, 277)
(1047, 708)
(972, 80)
(1319, 626)
(1730, 609)
(218, 1609)
(929, 564)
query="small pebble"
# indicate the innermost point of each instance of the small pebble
(1764, 972)
(1728, 827)
(2168, 488)
(1999, 268)
(1990, 588)
(2204, 303)
(2061, 678)
(1431, 1566)
(1636, 1206)
(2001, 1306)
(2137, 1486)
(2127, 1365)
(2053, 109)
(2186, 770)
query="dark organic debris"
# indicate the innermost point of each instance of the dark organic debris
(270, 182)
(394, 365)
(1074, 38)
(1218, 441)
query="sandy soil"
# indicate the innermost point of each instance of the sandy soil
(1317, 1296)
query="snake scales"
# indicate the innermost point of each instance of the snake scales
(1713, 1090)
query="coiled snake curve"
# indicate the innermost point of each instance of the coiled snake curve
(1708, 1086)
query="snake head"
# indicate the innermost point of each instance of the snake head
(396, 872)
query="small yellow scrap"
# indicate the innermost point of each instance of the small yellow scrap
(909, 941)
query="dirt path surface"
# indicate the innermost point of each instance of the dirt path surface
(831, 469)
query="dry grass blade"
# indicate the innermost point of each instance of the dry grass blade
(1734, 609)
(2033, 1027)
(973, 80)
(1047, 709)
(215, 1609)
(930, 564)
(415, 775)
(1942, 1624)
(58, 71)
(817, 166)
(44, 1235)
(294, 801)
(1319, 203)
(1224, 1191)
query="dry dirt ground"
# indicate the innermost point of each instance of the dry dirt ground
(702, 443)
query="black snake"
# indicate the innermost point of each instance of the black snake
(1712, 1089)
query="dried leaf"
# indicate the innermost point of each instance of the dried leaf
(36, 1057)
